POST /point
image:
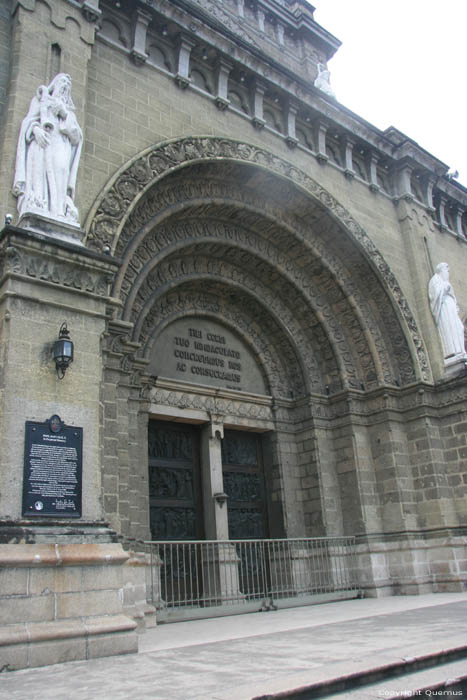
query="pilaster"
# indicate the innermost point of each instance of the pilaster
(185, 45)
(374, 187)
(258, 96)
(223, 70)
(61, 592)
(141, 21)
(215, 509)
(321, 131)
(291, 138)
(349, 169)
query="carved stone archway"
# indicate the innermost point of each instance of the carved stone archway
(211, 228)
(144, 197)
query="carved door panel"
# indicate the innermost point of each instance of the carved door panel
(242, 469)
(174, 482)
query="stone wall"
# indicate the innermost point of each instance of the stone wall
(5, 34)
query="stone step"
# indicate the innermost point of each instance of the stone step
(445, 669)
(446, 681)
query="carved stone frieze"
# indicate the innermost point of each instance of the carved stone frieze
(226, 407)
(36, 265)
(119, 200)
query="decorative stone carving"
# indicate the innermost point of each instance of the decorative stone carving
(66, 274)
(119, 204)
(48, 153)
(445, 312)
(239, 408)
(323, 81)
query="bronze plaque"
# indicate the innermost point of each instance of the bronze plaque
(53, 461)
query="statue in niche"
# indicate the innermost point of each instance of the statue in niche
(323, 81)
(48, 153)
(445, 311)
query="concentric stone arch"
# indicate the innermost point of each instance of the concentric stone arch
(121, 195)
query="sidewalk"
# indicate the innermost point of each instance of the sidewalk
(245, 656)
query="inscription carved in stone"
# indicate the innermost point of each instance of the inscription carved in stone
(203, 352)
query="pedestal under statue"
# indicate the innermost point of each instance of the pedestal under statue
(445, 312)
(47, 158)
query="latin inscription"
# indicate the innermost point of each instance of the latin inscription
(201, 354)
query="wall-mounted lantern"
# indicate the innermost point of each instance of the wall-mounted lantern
(63, 351)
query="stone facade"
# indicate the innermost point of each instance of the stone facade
(219, 189)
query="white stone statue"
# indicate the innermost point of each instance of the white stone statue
(47, 158)
(323, 81)
(446, 314)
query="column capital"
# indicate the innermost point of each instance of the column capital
(216, 425)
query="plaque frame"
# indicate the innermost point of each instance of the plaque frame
(52, 470)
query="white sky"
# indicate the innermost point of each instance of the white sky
(403, 63)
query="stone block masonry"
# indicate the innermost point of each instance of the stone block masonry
(62, 603)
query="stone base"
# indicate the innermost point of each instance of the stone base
(135, 604)
(62, 602)
(412, 563)
(455, 365)
(60, 230)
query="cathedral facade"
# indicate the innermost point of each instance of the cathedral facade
(243, 267)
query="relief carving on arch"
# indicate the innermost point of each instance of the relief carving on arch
(275, 353)
(235, 282)
(265, 280)
(110, 214)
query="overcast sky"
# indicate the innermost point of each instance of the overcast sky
(404, 63)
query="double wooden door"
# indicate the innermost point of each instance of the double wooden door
(175, 496)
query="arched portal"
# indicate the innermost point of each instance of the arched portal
(258, 303)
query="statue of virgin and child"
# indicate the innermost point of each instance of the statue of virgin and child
(48, 153)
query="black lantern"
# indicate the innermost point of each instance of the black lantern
(63, 351)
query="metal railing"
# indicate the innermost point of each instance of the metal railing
(223, 577)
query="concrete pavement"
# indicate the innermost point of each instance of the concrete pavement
(260, 654)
